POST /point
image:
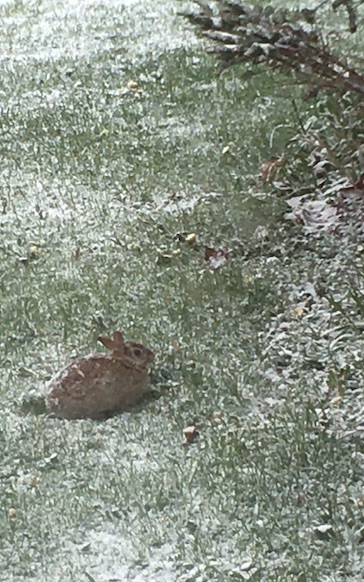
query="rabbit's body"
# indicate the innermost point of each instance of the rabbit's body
(101, 384)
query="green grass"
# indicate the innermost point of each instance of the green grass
(99, 188)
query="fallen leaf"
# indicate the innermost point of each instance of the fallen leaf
(336, 401)
(269, 169)
(217, 418)
(351, 194)
(357, 189)
(132, 85)
(216, 258)
(191, 434)
(209, 252)
(299, 311)
(316, 215)
(245, 566)
(33, 251)
(324, 531)
(191, 238)
(225, 150)
(163, 259)
(350, 203)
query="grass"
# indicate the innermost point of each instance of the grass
(100, 185)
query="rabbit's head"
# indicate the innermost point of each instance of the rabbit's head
(141, 355)
(130, 352)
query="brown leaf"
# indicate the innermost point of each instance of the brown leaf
(218, 257)
(191, 238)
(269, 169)
(299, 311)
(132, 85)
(315, 215)
(356, 190)
(191, 434)
(209, 252)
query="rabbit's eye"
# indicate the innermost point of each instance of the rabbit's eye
(137, 353)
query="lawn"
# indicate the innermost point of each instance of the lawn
(118, 143)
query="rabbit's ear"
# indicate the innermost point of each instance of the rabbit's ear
(108, 343)
(118, 340)
(116, 344)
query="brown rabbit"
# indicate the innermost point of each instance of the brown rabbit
(99, 385)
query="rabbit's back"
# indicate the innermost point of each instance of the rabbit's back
(94, 387)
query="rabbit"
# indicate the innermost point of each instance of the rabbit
(100, 385)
